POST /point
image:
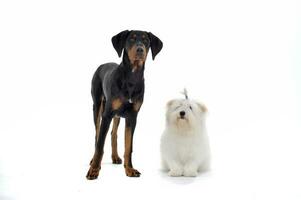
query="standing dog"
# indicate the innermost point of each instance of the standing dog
(184, 143)
(117, 91)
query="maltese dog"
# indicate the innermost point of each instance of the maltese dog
(184, 143)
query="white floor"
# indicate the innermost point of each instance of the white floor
(240, 58)
(251, 160)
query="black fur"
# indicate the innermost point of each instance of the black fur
(112, 81)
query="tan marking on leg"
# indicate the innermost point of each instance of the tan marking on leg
(129, 170)
(94, 166)
(115, 157)
(98, 121)
(128, 147)
(116, 104)
(137, 106)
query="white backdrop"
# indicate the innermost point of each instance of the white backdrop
(241, 58)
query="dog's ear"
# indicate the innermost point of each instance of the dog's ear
(202, 107)
(155, 44)
(119, 41)
(169, 103)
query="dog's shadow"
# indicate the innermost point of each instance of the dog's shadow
(183, 180)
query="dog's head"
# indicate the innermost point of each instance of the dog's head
(135, 46)
(185, 114)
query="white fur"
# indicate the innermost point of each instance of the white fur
(184, 142)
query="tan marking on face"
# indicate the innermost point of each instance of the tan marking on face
(132, 54)
(134, 60)
(116, 104)
(128, 147)
(137, 106)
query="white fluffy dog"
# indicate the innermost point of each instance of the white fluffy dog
(184, 144)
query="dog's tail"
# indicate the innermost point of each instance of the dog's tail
(185, 93)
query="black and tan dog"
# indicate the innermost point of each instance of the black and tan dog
(118, 91)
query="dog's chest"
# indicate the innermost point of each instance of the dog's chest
(132, 87)
(129, 91)
(187, 147)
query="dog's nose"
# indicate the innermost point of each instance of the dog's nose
(139, 50)
(182, 113)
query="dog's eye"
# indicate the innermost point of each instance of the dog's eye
(190, 107)
(176, 108)
(146, 44)
(132, 39)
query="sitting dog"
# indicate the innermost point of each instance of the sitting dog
(184, 142)
(118, 91)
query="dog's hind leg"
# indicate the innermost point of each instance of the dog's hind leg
(98, 104)
(97, 95)
(98, 154)
(98, 115)
(115, 158)
(97, 120)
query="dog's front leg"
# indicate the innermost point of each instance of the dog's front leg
(130, 124)
(96, 161)
(191, 169)
(176, 168)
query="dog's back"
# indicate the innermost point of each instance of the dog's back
(97, 90)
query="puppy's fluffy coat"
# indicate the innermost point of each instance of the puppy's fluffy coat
(184, 142)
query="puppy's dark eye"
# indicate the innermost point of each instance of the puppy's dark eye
(176, 108)
(190, 107)
(146, 43)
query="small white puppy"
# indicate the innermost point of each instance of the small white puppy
(184, 143)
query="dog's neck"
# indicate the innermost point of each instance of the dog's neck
(130, 80)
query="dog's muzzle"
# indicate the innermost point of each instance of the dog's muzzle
(182, 114)
(140, 51)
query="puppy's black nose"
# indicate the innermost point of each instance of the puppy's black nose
(182, 113)
(139, 50)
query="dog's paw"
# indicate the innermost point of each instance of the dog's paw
(175, 172)
(131, 172)
(116, 160)
(92, 173)
(190, 173)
